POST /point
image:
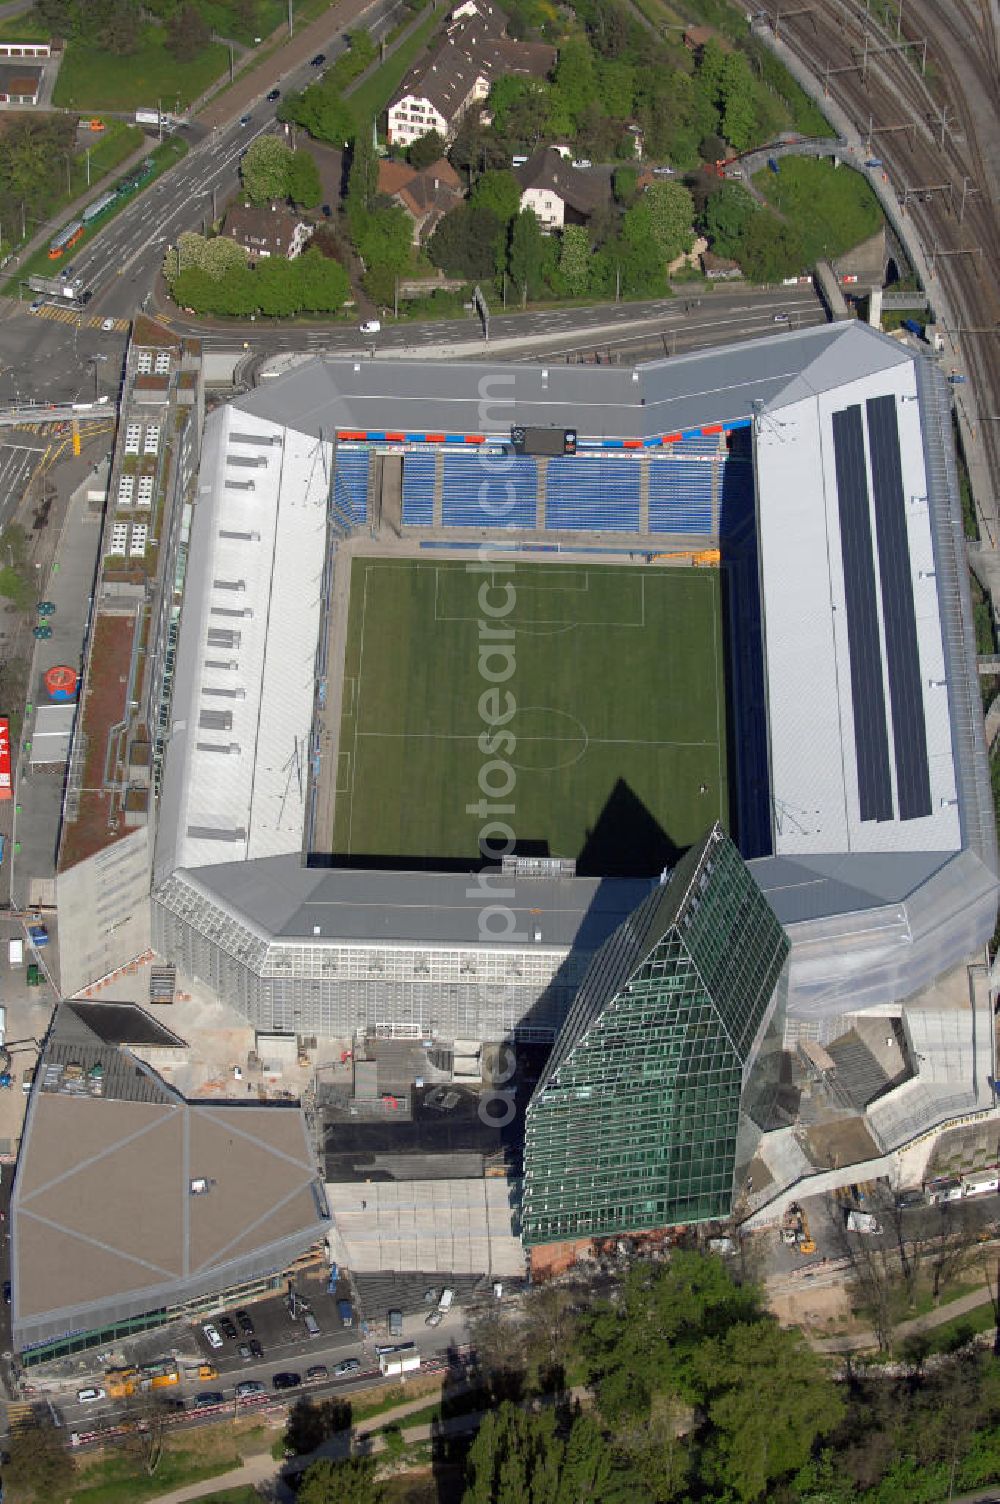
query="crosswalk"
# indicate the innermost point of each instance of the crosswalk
(73, 316)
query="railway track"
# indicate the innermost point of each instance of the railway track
(958, 231)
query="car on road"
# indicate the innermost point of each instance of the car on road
(286, 1381)
(583, 162)
(348, 1365)
(212, 1335)
(90, 1396)
(228, 1328)
(245, 1324)
(272, 95)
(318, 60)
(326, 211)
(248, 1387)
(244, 1352)
(36, 305)
(45, 608)
(395, 1322)
(255, 1348)
(434, 1318)
(371, 326)
(317, 1373)
(206, 1401)
(6, 1292)
(107, 325)
(780, 318)
(42, 632)
(245, 119)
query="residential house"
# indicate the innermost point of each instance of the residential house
(559, 193)
(458, 72)
(263, 232)
(426, 196)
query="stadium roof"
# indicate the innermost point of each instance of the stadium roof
(859, 725)
(708, 386)
(287, 901)
(105, 1222)
(235, 779)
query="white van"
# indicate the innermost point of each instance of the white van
(371, 326)
(15, 952)
(444, 1304)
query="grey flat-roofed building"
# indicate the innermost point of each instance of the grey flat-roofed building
(129, 1200)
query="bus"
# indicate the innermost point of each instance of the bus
(65, 239)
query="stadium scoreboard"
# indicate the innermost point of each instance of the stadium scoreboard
(542, 440)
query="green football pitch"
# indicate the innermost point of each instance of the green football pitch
(601, 688)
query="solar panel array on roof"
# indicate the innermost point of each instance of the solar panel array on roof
(871, 742)
(913, 786)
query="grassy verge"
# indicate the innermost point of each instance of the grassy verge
(115, 1479)
(245, 1495)
(26, 28)
(163, 157)
(951, 1335)
(832, 208)
(93, 79)
(370, 98)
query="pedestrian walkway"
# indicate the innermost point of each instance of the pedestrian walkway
(856, 1341)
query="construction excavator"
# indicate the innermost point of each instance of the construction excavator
(706, 558)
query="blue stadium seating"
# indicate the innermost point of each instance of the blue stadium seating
(680, 496)
(478, 492)
(418, 490)
(701, 443)
(599, 495)
(350, 483)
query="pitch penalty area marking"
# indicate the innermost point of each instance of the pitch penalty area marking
(343, 772)
(528, 625)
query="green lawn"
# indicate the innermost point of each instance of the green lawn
(370, 98)
(116, 1480)
(93, 79)
(245, 1495)
(26, 28)
(618, 716)
(833, 208)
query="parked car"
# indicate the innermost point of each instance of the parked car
(318, 60)
(583, 162)
(244, 1352)
(248, 1387)
(272, 95)
(326, 211)
(395, 1323)
(317, 1373)
(42, 632)
(255, 1348)
(228, 1328)
(206, 1401)
(38, 303)
(90, 1396)
(245, 119)
(434, 1318)
(45, 608)
(246, 1325)
(286, 1381)
(348, 1365)
(212, 1335)
(431, 1296)
(6, 1292)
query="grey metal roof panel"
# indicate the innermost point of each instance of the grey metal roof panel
(292, 902)
(328, 392)
(813, 887)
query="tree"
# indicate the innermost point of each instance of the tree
(362, 181)
(500, 192)
(277, 287)
(145, 1420)
(574, 260)
(265, 169)
(575, 76)
(736, 99)
(304, 187)
(727, 214)
(386, 239)
(526, 258)
(665, 211)
(324, 285)
(464, 242)
(187, 33)
(771, 248)
(426, 149)
(322, 112)
(351, 1482)
(118, 25)
(221, 255)
(544, 1458)
(768, 1399)
(40, 1467)
(624, 184)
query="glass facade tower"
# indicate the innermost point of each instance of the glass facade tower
(634, 1123)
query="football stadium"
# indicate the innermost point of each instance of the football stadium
(471, 655)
